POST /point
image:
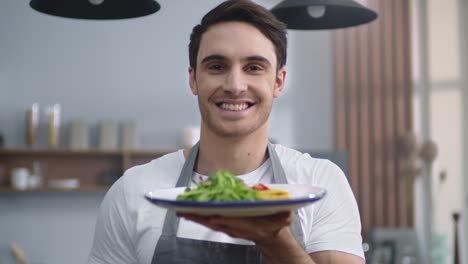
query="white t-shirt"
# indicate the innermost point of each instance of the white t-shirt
(128, 226)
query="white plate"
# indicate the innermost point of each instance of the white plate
(301, 195)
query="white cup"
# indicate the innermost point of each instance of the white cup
(107, 135)
(79, 135)
(129, 135)
(20, 178)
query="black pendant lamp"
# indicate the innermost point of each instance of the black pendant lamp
(96, 9)
(322, 14)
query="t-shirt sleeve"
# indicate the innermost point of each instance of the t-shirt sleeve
(113, 235)
(336, 222)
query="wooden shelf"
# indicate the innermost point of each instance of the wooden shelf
(91, 152)
(85, 188)
(91, 167)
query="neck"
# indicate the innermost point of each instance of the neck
(237, 155)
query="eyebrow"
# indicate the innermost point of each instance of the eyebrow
(224, 58)
(213, 57)
(259, 59)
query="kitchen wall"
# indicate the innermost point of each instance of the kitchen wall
(52, 228)
(446, 117)
(137, 69)
(441, 114)
(462, 11)
(119, 70)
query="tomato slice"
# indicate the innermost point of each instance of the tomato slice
(260, 187)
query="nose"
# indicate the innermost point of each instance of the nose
(235, 83)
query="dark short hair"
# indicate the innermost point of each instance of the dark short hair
(242, 11)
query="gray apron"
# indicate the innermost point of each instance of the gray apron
(171, 249)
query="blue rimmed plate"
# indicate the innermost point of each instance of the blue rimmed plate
(300, 196)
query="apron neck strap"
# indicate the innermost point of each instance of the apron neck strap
(189, 165)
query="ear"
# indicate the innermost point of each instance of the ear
(279, 83)
(192, 82)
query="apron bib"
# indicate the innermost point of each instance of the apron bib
(171, 249)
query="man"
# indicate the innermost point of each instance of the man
(237, 58)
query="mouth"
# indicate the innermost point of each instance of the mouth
(238, 106)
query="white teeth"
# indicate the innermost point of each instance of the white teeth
(234, 107)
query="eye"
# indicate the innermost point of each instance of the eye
(254, 68)
(215, 67)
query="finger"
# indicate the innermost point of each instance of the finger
(199, 218)
(275, 221)
(253, 228)
(208, 222)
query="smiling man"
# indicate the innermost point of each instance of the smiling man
(237, 57)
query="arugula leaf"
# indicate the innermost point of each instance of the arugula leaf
(222, 186)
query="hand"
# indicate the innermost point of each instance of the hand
(259, 229)
(269, 233)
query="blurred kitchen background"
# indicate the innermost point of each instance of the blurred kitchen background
(392, 95)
